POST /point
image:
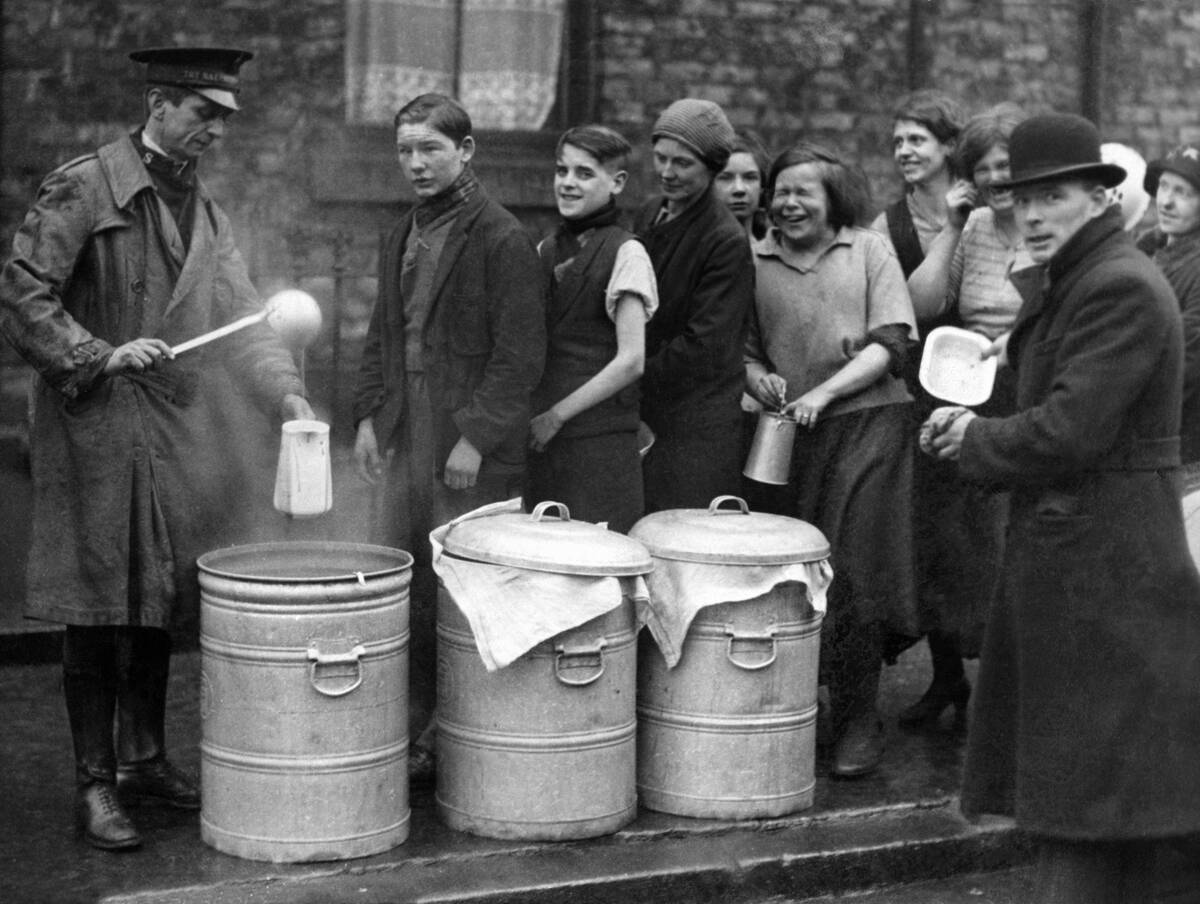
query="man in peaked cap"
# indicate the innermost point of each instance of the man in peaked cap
(122, 255)
(211, 72)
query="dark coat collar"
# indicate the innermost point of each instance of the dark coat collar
(702, 206)
(1097, 232)
(1038, 284)
(127, 174)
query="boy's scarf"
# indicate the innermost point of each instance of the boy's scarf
(566, 237)
(452, 199)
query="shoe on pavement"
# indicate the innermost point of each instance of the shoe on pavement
(157, 781)
(860, 748)
(103, 822)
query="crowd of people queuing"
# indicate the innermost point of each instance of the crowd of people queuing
(1041, 532)
(617, 365)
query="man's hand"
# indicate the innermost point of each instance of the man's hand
(296, 408)
(367, 462)
(137, 356)
(942, 434)
(462, 467)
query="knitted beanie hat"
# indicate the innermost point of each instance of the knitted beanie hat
(702, 126)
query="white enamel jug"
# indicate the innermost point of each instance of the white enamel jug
(303, 480)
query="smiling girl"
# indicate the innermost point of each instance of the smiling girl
(830, 329)
(924, 132)
(960, 525)
(584, 435)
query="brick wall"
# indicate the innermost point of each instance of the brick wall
(308, 196)
(832, 69)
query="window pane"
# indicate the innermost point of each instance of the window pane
(510, 50)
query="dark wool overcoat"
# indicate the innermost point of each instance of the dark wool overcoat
(694, 376)
(1084, 724)
(133, 476)
(1180, 263)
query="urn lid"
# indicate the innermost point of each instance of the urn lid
(546, 539)
(725, 535)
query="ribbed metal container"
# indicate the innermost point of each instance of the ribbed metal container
(730, 731)
(544, 748)
(304, 686)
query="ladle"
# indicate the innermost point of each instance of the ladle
(293, 314)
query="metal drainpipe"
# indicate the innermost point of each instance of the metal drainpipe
(457, 61)
(341, 247)
(1093, 28)
(920, 48)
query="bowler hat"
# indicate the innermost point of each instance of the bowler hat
(1055, 146)
(1184, 162)
(209, 71)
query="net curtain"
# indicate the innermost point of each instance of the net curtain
(507, 55)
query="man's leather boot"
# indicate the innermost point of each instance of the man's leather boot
(144, 774)
(91, 701)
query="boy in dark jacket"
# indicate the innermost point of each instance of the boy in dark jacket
(454, 348)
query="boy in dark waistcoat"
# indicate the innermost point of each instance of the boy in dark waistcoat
(584, 436)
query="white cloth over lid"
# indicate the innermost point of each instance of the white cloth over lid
(720, 555)
(512, 609)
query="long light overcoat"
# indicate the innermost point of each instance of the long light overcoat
(1085, 722)
(134, 476)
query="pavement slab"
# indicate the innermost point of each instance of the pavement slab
(895, 836)
(876, 826)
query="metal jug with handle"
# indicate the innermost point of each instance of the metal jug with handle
(770, 454)
(303, 479)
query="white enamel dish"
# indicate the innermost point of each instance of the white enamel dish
(953, 367)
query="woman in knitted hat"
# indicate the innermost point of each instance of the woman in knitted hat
(692, 385)
(1174, 183)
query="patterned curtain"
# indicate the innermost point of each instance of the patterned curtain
(500, 57)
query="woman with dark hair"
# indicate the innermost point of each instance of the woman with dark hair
(832, 322)
(739, 186)
(925, 127)
(960, 525)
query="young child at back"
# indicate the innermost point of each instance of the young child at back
(584, 435)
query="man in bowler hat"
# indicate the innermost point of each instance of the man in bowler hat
(1084, 727)
(122, 255)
